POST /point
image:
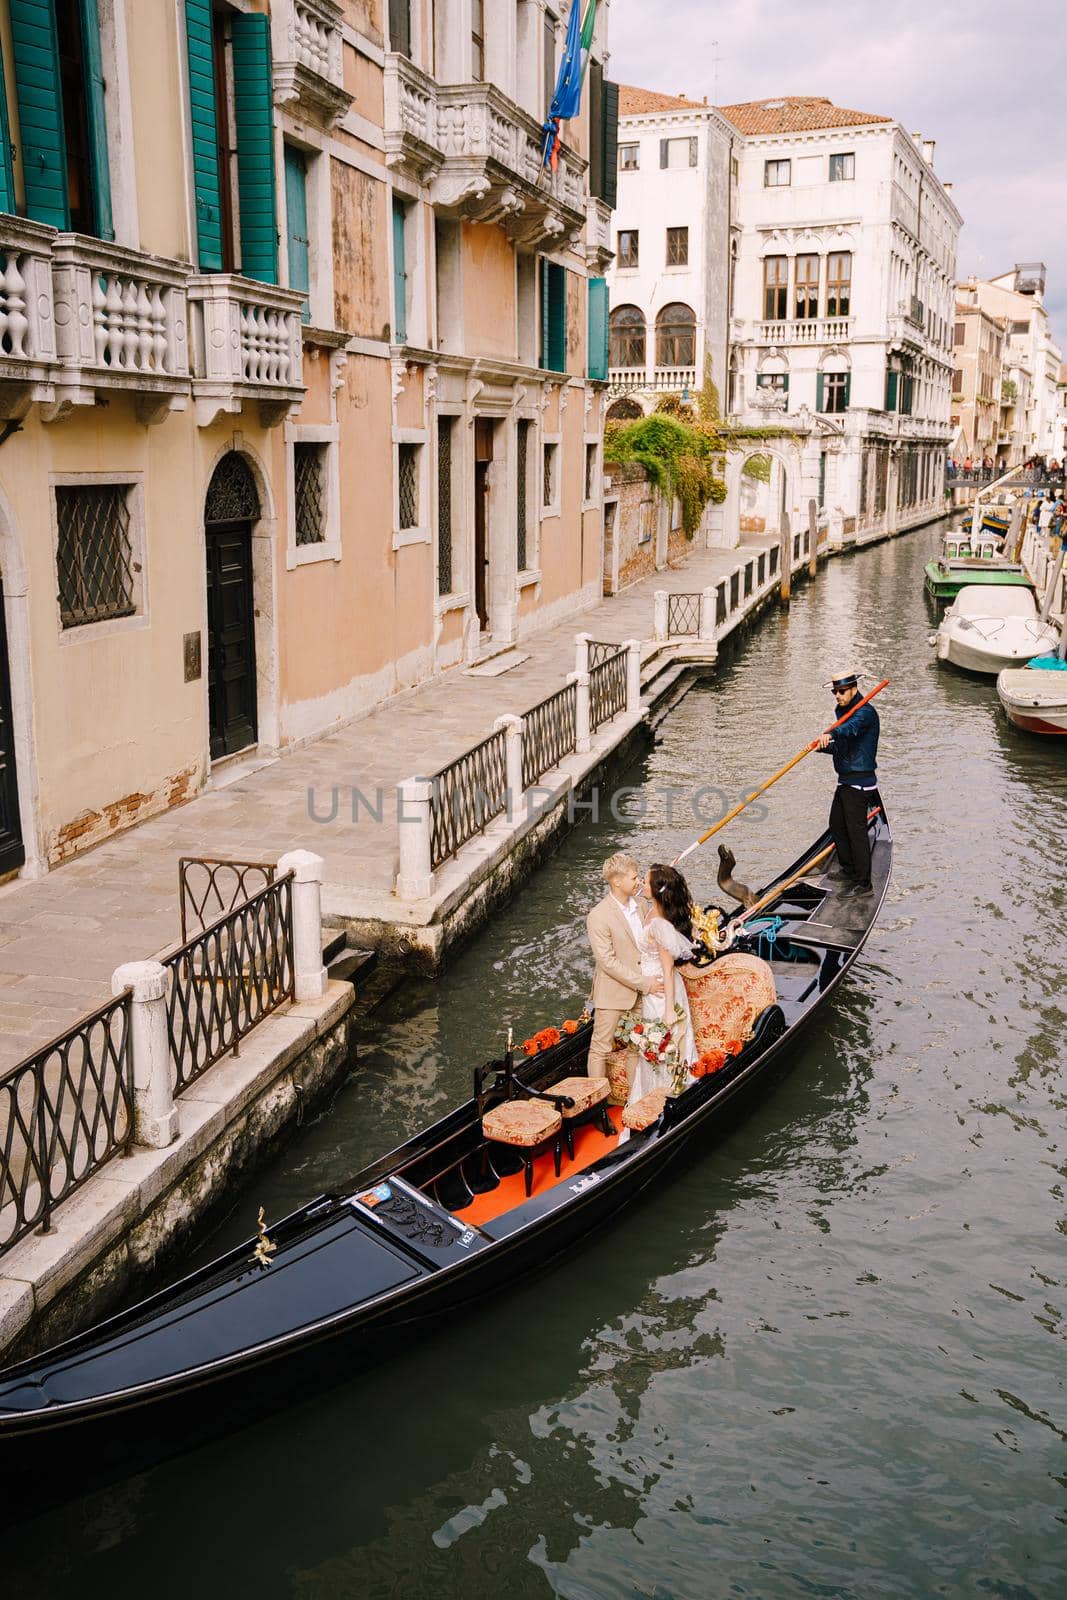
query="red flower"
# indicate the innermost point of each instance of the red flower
(666, 1039)
(570, 1027)
(530, 1047)
(711, 1061)
(547, 1037)
(639, 1027)
(735, 1046)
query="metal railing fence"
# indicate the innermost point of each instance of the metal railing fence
(227, 978)
(683, 615)
(209, 887)
(607, 688)
(467, 794)
(64, 1113)
(550, 730)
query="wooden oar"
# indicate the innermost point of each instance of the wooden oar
(808, 748)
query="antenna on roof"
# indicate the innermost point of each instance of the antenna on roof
(715, 59)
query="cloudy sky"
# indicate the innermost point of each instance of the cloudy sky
(986, 79)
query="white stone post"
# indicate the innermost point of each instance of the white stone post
(513, 729)
(659, 614)
(414, 880)
(633, 677)
(582, 719)
(582, 642)
(155, 1116)
(707, 613)
(309, 974)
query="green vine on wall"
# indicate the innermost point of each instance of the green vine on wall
(758, 467)
(678, 457)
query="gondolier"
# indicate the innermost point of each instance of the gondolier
(854, 748)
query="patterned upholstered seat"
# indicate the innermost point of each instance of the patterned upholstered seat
(618, 1077)
(522, 1122)
(590, 1096)
(644, 1112)
(726, 998)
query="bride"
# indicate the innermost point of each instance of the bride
(666, 936)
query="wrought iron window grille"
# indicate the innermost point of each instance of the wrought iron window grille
(310, 494)
(444, 504)
(94, 553)
(407, 468)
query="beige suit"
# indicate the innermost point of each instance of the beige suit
(618, 979)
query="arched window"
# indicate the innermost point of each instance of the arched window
(627, 325)
(231, 494)
(676, 337)
(624, 410)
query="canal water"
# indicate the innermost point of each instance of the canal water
(828, 1358)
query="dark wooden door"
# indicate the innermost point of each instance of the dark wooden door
(12, 850)
(231, 642)
(483, 457)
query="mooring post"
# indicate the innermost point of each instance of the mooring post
(707, 614)
(309, 974)
(155, 1116)
(513, 729)
(786, 560)
(633, 677)
(813, 538)
(583, 739)
(659, 614)
(414, 880)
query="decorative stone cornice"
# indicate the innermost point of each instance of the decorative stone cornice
(308, 69)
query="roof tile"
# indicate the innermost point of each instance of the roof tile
(795, 114)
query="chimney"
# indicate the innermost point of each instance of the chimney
(916, 138)
(947, 188)
(929, 146)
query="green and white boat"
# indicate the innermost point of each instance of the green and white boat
(966, 561)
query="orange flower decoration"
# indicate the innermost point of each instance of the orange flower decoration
(547, 1038)
(530, 1047)
(570, 1027)
(711, 1061)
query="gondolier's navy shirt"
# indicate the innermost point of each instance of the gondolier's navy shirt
(854, 748)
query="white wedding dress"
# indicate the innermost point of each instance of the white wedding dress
(659, 934)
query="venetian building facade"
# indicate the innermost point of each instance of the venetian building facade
(978, 382)
(499, 330)
(1031, 359)
(842, 315)
(219, 499)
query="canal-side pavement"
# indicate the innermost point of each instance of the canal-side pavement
(62, 936)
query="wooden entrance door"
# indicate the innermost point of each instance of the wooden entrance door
(483, 457)
(231, 644)
(12, 850)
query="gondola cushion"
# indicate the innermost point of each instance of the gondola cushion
(585, 1092)
(522, 1122)
(644, 1112)
(618, 1077)
(726, 998)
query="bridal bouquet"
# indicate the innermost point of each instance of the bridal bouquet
(657, 1042)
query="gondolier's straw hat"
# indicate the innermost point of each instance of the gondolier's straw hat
(844, 680)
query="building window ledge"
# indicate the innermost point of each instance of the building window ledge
(247, 347)
(527, 579)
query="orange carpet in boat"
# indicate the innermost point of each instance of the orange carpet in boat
(589, 1145)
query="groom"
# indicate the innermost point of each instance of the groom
(614, 928)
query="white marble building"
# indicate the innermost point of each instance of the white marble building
(830, 246)
(1031, 359)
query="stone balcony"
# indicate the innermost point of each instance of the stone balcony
(816, 330)
(308, 51)
(625, 380)
(121, 320)
(599, 252)
(479, 155)
(27, 317)
(247, 347)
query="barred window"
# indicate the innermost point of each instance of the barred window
(444, 504)
(407, 468)
(549, 487)
(522, 452)
(590, 472)
(309, 492)
(677, 247)
(95, 553)
(628, 247)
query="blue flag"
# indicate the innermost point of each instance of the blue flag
(568, 96)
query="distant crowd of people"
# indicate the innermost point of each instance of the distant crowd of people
(989, 467)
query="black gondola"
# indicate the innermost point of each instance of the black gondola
(350, 1274)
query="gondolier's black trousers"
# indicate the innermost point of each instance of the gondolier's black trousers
(848, 824)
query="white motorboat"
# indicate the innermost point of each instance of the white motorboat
(1035, 697)
(988, 629)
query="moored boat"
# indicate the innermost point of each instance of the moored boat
(443, 1220)
(965, 562)
(1035, 697)
(987, 629)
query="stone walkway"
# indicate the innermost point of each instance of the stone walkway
(62, 936)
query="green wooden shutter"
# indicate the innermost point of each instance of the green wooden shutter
(296, 212)
(818, 392)
(7, 182)
(254, 124)
(400, 276)
(554, 324)
(205, 134)
(42, 145)
(596, 129)
(544, 312)
(891, 381)
(97, 119)
(598, 328)
(609, 107)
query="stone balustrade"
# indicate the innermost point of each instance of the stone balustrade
(480, 155)
(27, 315)
(599, 250)
(308, 49)
(247, 346)
(816, 330)
(673, 379)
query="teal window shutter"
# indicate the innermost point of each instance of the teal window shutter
(609, 108)
(97, 118)
(891, 381)
(198, 26)
(7, 182)
(544, 312)
(818, 392)
(296, 212)
(557, 318)
(400, 276)
(43, 148)
(598, 328)
(254, 126)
